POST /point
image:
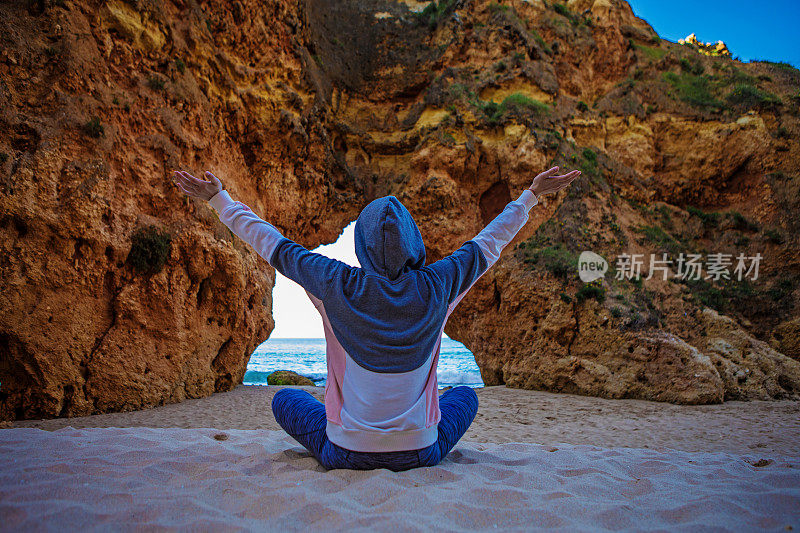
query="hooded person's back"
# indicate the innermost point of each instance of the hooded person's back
(383, 321)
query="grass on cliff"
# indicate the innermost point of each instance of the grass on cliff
(590, 290)
(435, 12)
(150, 249)
(93, 128)
(551, 140)
(654, 53)
(556, 259)
(540, 41)
(778, 64)
(693, 89)
(730, 74)
(507, 13)
(633, 303)
(574, 18)
(494, 7)
(744, 297)
(692, 66)
(514, 105)
(569, 157)
(586, 162)
(774, 236)
(156, 83)
(733, 219)
(748, 96)
(739, 222)
(660, 238)
(710, 220)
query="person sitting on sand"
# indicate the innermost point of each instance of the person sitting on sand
(383, 326)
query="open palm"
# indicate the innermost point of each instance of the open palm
(197, 187)
(547, 182)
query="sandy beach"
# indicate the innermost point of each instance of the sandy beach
(517, 415)
(531, 460)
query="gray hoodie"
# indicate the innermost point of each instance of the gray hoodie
(383, 321)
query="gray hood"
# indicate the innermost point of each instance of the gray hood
(387, 240)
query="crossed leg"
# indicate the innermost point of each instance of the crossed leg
(303, 417)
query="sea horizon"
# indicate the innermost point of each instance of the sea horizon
(306, 356)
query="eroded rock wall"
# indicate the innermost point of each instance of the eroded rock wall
(99, 102)
(675, 159)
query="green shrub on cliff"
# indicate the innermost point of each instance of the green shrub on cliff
(574, 18)
(778, 64)
(740, 222)
(589, 160)
(562, 10)
(591, 290)
(744, 296)
(731, 74)
(586, 161)
(751, 299)
(494, 7)
(458, 91)
(551, 140)
(659, 237)
(93, 128)
(774, 236)
(156, 83)
(693, 67)
(538, 38)
(749, 96)
(710, 220)
(520, 103)
(782, 289)
(491, 110)
(516, 104)
(435, 12)
(654, 53)
(150, 249)
(556, 259)
(692, 89)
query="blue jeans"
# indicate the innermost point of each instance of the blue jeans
(303, 417)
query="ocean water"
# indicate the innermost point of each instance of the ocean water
(307, 357)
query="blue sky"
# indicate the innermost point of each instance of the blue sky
(751, 30)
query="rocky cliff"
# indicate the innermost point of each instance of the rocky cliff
(118, 293)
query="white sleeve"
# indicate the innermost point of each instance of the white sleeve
(258, 233)
(499, 232)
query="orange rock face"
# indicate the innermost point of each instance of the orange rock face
(100, 102)
(308, 111)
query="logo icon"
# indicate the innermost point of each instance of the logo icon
(591, 266)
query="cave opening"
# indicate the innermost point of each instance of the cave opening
(298, 341)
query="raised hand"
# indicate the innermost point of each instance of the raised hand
(196, 187)
(547, 182)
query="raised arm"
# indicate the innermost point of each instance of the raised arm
(312, 271)
(461, 269)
